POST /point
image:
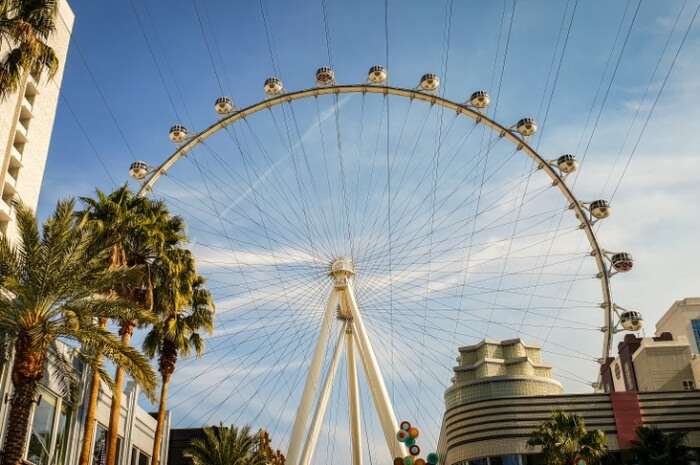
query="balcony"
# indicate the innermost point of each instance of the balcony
(15, 157)
(10, 186)
(5, 211)
(27, 108)
(20, 133)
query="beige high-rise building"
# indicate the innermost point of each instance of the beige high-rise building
(683, 319)
(26, 123)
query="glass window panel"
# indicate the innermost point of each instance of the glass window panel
(134, 456)
(144, 459)
(99, 453)
(42, 429)
(62, 433)
(696, 332)
(119, 450)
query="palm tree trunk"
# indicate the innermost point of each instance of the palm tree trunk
(115, 412)
(18, 423)
(91, 413)
(158, 437)
(27, 370)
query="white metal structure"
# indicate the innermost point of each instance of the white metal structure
(341, 309)
(343, 305)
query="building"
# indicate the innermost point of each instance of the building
(683, 319)
(57, 424)
(660, 363)
(508, 393)
(26, 122)
(180, 440)
(495, 369)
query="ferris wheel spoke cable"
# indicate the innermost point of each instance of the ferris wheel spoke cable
(377, 229)
(409, 273)
(550, 70)
(302, 200)
(251, 188)
(226, 357)
(405, 288)
(319, 124)
(267, 382)
(306, 209)
(557, 72)
(271, 350)
(509, 243)
(408, 219)
(612, 78)
(607, 90)
(286, 323)
(658, 96)
(408, 200)
(231, 207)
(568, 352)
(416, 239)
(410, 299)
(309, 171)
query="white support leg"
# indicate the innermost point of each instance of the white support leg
(354, 398)
(317, 420)
(312, 378)
(380, 396)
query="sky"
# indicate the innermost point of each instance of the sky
(589, 72)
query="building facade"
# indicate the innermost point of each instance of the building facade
(57, 424)
(660, 363)
(497, 369)
(683, 319)
(501, 392)
(495, 431)
(26, 123)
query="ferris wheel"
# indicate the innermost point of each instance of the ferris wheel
(386, 222)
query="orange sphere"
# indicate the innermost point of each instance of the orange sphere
(419, 462)
(413, 432)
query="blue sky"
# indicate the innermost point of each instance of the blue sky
(655, 209)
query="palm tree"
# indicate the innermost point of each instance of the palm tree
(185, 308)
(25, 26)
(135, 230)
(226, 445)
(564, 438)
(654, 447)
(54, 287)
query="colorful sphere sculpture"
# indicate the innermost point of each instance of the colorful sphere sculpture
(407, 435)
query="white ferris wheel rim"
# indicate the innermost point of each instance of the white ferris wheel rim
(559, 181)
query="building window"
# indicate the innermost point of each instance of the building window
(48, 441)
(139, 458)
(688, 385)
(62, 433)
(99, 452)
(42, 430)
(696, 332)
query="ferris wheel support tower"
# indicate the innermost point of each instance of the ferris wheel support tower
(343, 305)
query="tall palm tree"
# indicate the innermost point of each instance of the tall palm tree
(226, 445)
(564, 438)
(54, 287)
(654, 447)
(135, 230)
(185, 308)
(25, 27)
